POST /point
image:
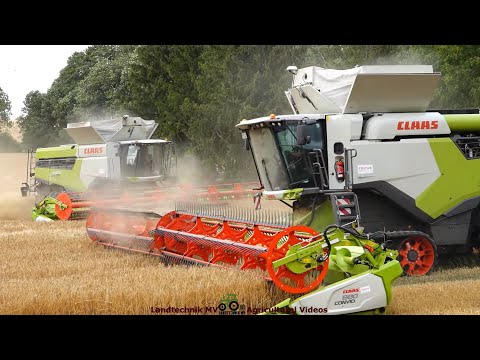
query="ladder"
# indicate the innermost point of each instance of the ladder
(345, 208)
(31, 163)
(316, 162)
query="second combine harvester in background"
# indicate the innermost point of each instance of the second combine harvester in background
(109, 157)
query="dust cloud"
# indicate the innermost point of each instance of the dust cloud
(407, 57)
(190, 171)
(13, 171)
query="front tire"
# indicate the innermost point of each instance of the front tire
(417, 254)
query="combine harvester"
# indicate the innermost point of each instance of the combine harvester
(113, 163)
(363, 134)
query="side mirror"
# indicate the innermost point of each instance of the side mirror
(246, 144)
(301, 135)
(302, 138)
(24, 189)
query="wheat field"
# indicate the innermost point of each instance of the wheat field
(54, 268)
(443, 292)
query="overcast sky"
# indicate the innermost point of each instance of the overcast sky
(24, 68)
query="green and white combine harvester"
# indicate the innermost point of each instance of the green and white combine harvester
(368, 132)
(109, 156)
(364, 135)
(114, 162)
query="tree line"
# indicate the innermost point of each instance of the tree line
(198, 93)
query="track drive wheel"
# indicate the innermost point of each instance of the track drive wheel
(282, 276)
(417, 254)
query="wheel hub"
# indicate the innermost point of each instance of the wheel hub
(412, 255)
(417, 255)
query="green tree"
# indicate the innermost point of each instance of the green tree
(91, 85)
(5, 109)
(238, 82)
(460, 68)
(348, 56)
(100, 93)
(161, 86)
(37, 123)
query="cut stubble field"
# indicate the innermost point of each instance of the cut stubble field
(54, 268)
